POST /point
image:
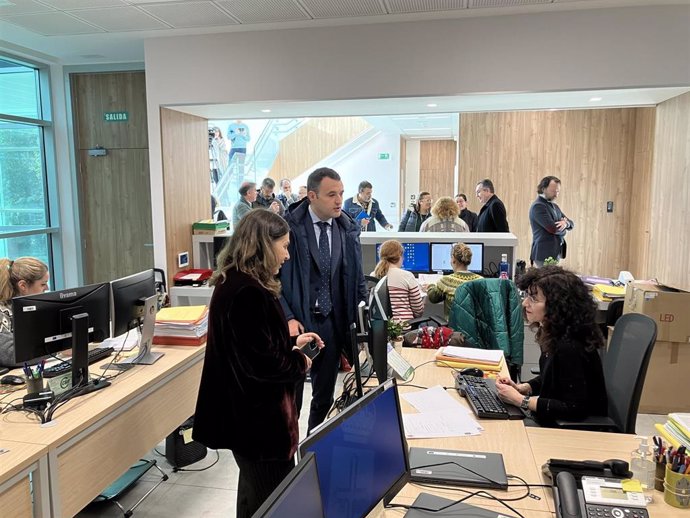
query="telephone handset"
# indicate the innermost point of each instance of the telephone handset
(599, 497)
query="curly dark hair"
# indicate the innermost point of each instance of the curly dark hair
(570, 310)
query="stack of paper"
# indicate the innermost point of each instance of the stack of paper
(607, 292)
(183, 325)
(676, 430)
(490, 360)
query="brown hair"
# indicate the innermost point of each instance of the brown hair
(445, 208)
(390, 252)
(416, 205)
(462, 254)
(250, 249)
(27, 269)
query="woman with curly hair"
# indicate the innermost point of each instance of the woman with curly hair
(571, 384)
(444, 217)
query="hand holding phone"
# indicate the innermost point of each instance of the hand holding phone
(311, 349)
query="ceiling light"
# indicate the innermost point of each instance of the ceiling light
(595, 99)
(265, 110)
(431, 105)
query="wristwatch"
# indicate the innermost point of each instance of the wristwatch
(525, 403)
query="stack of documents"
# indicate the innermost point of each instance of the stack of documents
(607, 293)
(676, 430)
(183, 325)
(490, 360)
(439, 415)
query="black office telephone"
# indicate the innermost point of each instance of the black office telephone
(598, 498)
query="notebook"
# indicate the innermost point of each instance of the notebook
(458, 468)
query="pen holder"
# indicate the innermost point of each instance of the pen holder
(676, 489)
(34, 384)
(659, 476)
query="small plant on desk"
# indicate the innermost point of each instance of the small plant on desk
(395, 329)
(550, 261)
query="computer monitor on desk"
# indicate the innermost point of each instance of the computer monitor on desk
(51, 322)
(415, 257)
(440, 257)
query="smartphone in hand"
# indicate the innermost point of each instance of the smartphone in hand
(311, 349)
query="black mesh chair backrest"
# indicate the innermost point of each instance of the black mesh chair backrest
(625, 367)
(614, 312)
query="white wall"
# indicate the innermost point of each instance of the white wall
(594, 49)
(412, 157)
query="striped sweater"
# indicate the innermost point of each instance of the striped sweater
(444, 290)
(405, 294)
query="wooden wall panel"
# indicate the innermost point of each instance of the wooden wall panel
(312, 142)
(186, 182)
(669, 251)
(437, 167)
(591, 151)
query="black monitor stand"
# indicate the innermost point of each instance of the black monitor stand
(80, 357)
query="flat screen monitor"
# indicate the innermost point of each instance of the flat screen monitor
(129, 294)
(440, 257)
(415, 257)
(298, 491)
(361, 454)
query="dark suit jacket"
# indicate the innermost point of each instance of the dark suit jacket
(547, 240)
(470, 218)
(492, 217)
(246, 399)
(300, 275)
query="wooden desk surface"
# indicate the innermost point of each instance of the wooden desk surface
(547, 443)
(18, 457)
(80, 413)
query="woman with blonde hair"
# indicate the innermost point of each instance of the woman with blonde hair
(444, 217)
(403, 288)
(23, 276)
(246, 400)
(444, 289)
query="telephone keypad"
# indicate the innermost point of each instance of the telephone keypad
(606, 511)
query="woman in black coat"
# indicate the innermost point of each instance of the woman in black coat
(570, 385)
(246, 400)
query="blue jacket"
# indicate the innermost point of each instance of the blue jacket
(352, 207)
(547, 240)
(300, 274)
(412, 220)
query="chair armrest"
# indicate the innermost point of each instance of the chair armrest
(591, 423)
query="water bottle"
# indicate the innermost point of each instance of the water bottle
(503, 267)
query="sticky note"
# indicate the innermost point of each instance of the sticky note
(187, 437)
(631, 485)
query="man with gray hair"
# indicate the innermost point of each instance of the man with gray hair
(247, 193)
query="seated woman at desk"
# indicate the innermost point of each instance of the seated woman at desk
(404, 291)
(23, 276)
(444, 289)
(246, 400)
(444, 217)
(571, 384)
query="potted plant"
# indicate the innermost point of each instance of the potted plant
(550, 261)
(395, 330)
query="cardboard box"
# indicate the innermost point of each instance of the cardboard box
(667, 384)
(668, 307)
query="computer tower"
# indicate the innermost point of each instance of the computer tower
(180, 449)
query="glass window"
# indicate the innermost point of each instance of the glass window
(36, 245)
(19, 90)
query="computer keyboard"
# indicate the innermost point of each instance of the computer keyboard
(66, 366)
(483, 399)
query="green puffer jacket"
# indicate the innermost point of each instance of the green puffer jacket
(489, 314)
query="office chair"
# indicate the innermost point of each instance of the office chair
(625, 367)
(380, 308)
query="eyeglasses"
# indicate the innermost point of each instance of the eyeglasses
(530, 298)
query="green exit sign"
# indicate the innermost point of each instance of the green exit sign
(116, 116)
(384, 156)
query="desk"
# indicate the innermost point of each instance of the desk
(524, 450)
(97, 437)
(16, 464)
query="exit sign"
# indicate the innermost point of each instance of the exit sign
(384, 156)
(116, 116)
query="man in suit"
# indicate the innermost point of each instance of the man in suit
(322, 281)
(492, 217)
(548, 223)
(466, 214)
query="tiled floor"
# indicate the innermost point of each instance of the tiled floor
(212, 493)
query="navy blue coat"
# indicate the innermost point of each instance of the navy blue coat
(300, 275)
(547, 240)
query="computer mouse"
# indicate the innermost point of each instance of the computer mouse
(472, 371)
(10, 379)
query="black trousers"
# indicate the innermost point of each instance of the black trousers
(258, 479)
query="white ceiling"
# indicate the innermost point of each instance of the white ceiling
(97, 31)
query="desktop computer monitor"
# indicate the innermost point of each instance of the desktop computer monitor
(298, 493)
(129, 294)
(50, 322)
(440, 257)
(415, 257)
(361, 454)
(378, 348)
